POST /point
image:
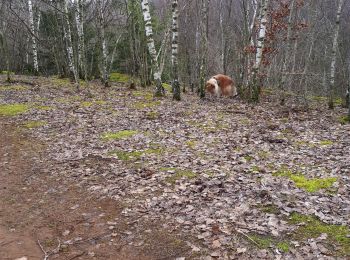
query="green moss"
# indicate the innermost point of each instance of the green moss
(44, 108)
(326, 142)
(127, 156)
(313, 228)
(5, 72)
(118, 135)
(178, 174)
(255, 169)
(13, 88)
(248, 158)
(142, 105)
(344, 120)
(262, 242)
(34, 124)
(167, 87)
(283, 246)
(270, 209)
(310, 185)
(338, 101)
(152, 115)
(91, 103)
(145, 94)
(119, 77)
(319, 98)
(191, 144)
(263, 154)
(13, 109)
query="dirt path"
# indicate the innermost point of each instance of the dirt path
(38, 207)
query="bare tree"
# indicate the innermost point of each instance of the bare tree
(151, 48)
(203, 46)
(34, 45)
(334, 55)
(174, 51)
(79, 19)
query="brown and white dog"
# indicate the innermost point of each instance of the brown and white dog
(221, 85)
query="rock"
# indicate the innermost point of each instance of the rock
(66, 233)
(241, 250)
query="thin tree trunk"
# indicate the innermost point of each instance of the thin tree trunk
(255, 93)
(151, 48)
(103, 43)
(79, 19)
(34, 45)
(203, 47)
(68, 37)
(287, 54)
(334, 55)
(174, 51)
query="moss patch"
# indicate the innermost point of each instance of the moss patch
(191, 144)
(310, 185)
(326, 142)
(167, 87)
(344, 120)
(34, 124)
(177, 174)
(283, 246)
(265, 242)
(91, 103)
(44, 108)
(119, 77)
(145, 94)
(13, 88)
(142, 105)
(119, 135)
(313, 228)
(135, 155)
(152, 115)
(13, 109)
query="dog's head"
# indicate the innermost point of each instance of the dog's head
(211, 85)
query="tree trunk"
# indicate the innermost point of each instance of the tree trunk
(334, 55)
(203, 47)
(174, 51)
(287, 54)
(255, 91)
(79, 19)
(151, 48)
(103, 43)
(34, 45)
(68, 37)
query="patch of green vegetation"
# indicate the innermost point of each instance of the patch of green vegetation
(303, 143)
(119, 77)
(319, 98)
(244, 121)
(127, 156)
(13, 109)
(263, 154)
(5, 72)
(312, 228)
(248, 158)
(261, 241)
(145, 94)
(167, 87)
(142, 105)
(34, 124)
(283, 246)
(44, 108)
(191, 143)
(60, 81)
(338, 101)
(284, 120)
(118, 135)
(91, 103)
(13, 88)
(344, 120)
(270, 209)
(152, 115)
(326, 142)
(254, 169)
(310, 185)
(178, 174)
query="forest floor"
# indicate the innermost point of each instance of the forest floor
(115, 174)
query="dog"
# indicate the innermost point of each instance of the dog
(221, 85)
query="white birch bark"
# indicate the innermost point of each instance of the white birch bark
(251, 27)
(259, 50)
(34, 44)
(151, 47)
(68, 37)
(103, 43)
(79, 19)
(334, 53)
(174, 50)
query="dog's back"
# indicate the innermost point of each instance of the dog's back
(225, 84)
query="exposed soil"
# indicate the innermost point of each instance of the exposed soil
(68, 222)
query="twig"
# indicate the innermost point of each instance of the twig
(48, 253)
(245, 235)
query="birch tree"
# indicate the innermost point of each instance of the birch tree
(203, 46)
(68, 38)
(34, 44)
(79, 19)
(151, 48)
(174, 51)
(255, 92)
(102, 40)
(334, 55)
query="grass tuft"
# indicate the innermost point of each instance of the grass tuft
(13, 109)
(118, 135)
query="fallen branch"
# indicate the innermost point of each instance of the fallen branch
(48, 253)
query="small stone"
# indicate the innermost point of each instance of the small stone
(216, 244)
(241, 250)
(66, 233)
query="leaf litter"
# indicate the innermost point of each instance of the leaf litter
(213, 178)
